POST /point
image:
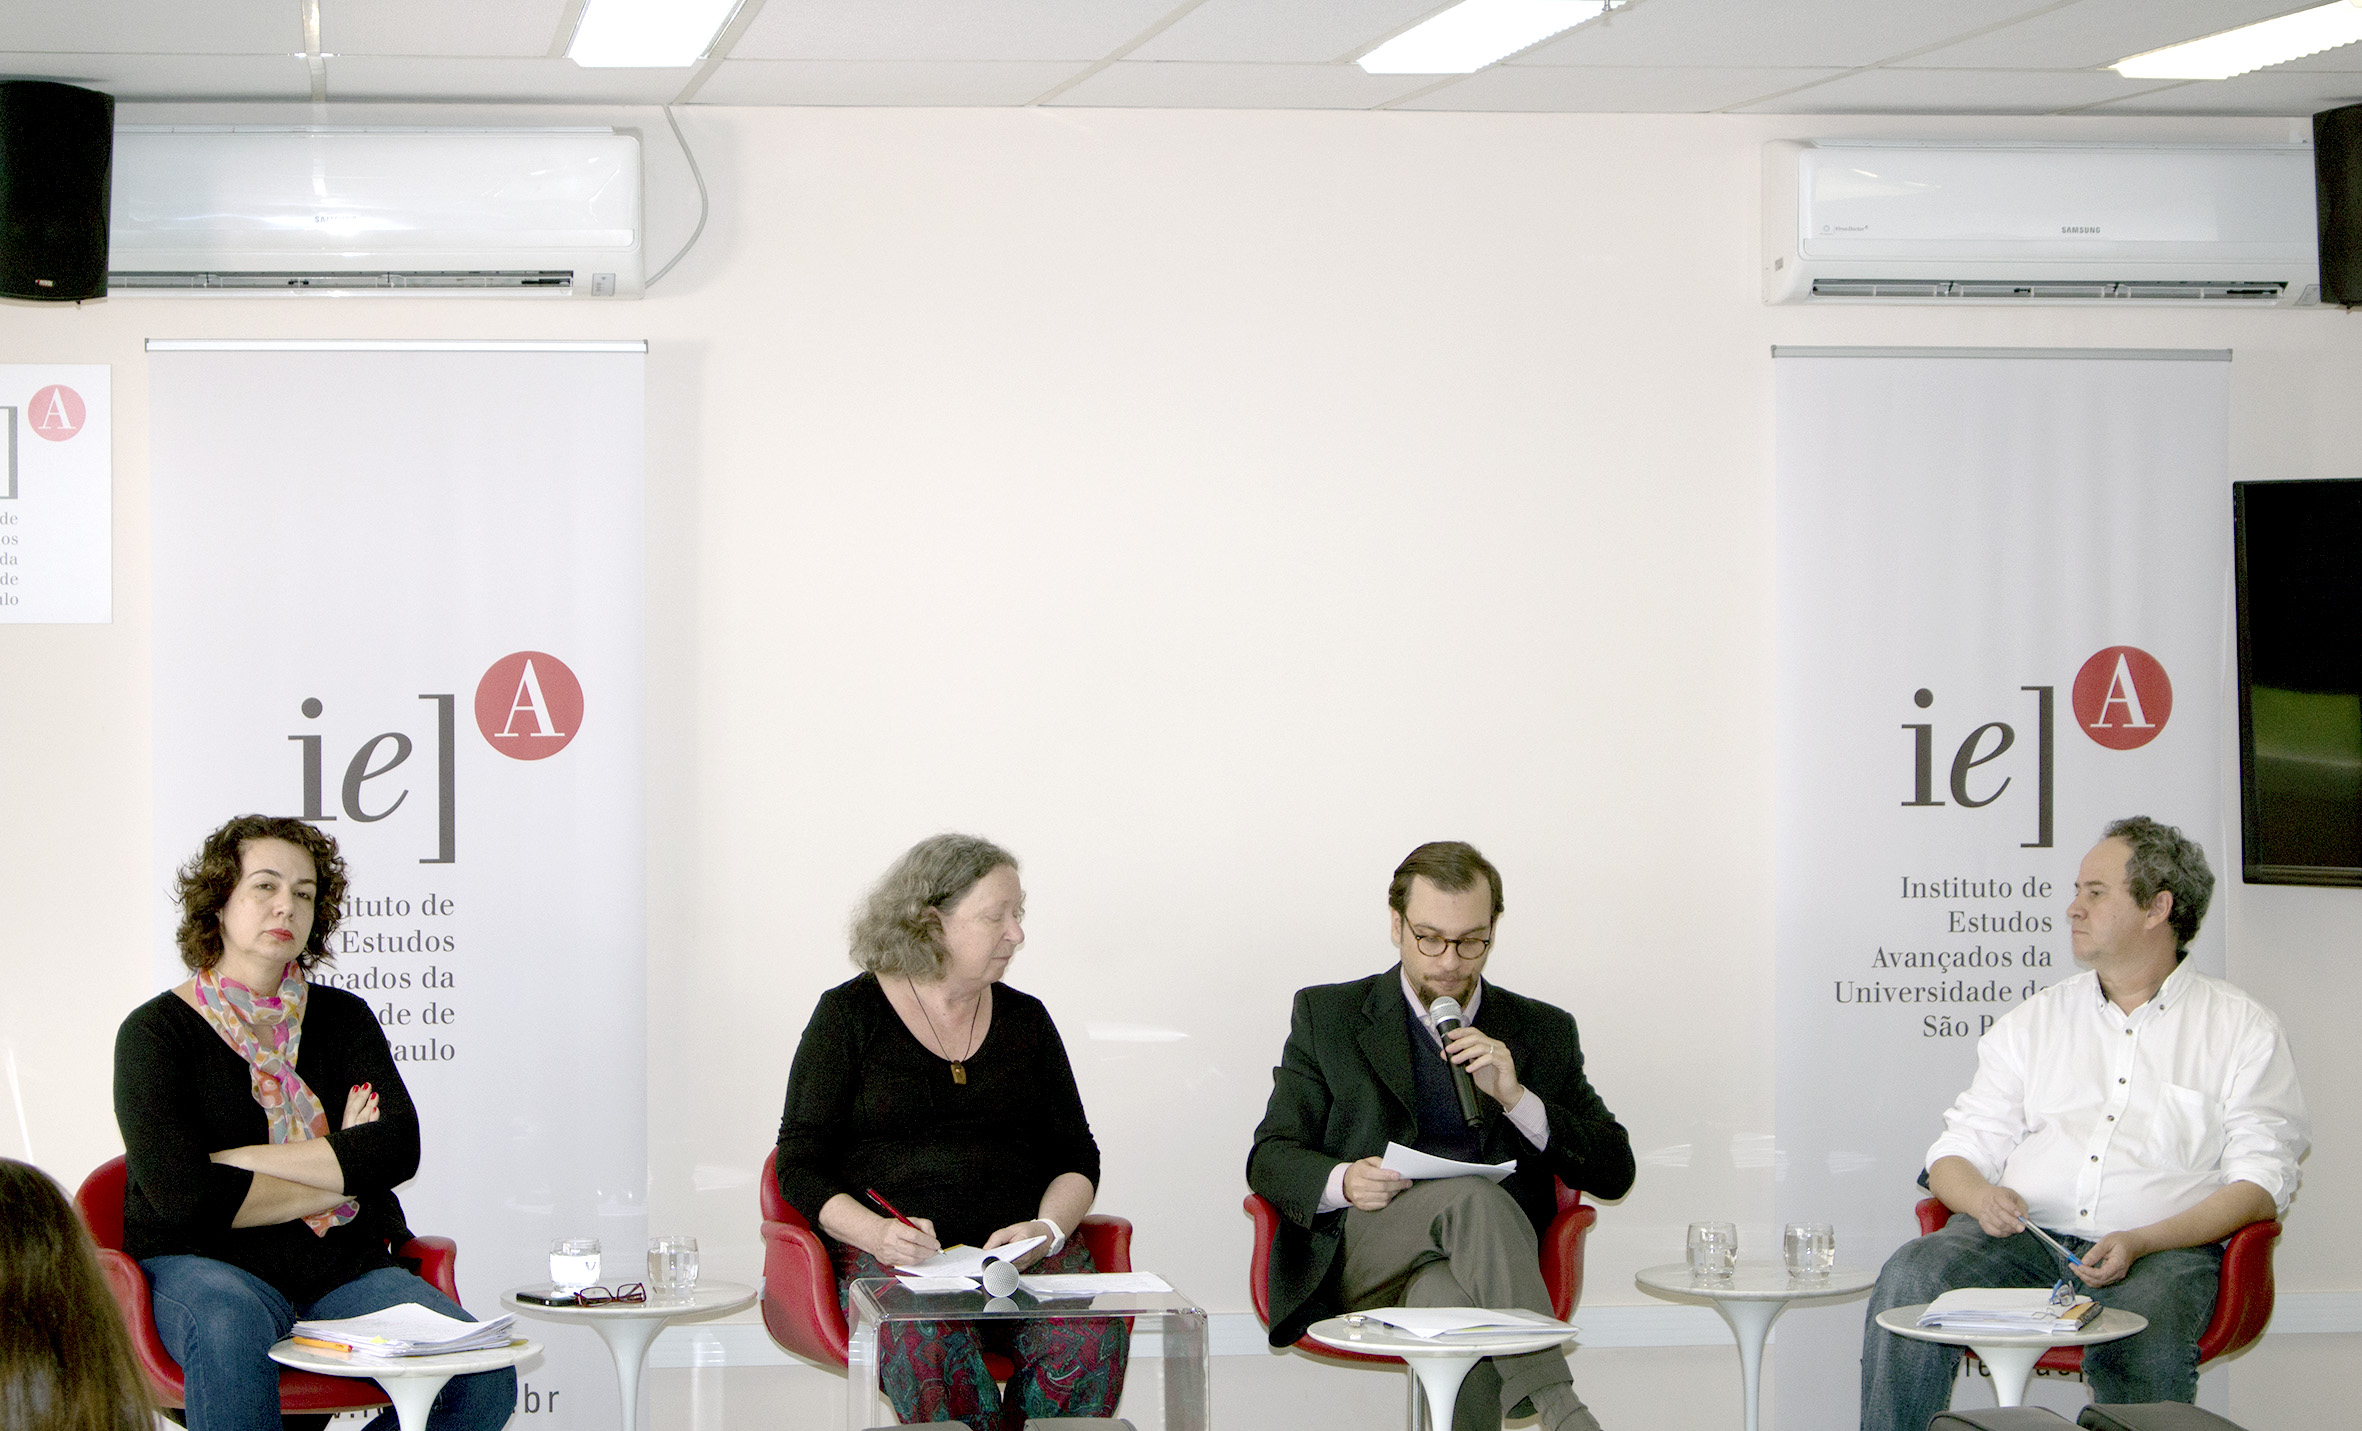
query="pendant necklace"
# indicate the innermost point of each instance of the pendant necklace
(959, 1066)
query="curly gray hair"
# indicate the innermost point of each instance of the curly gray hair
(2163, 858)
(899, 927)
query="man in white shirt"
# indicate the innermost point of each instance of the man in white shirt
(2139, 1111)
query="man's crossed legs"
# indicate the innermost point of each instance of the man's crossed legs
(1463, 1242)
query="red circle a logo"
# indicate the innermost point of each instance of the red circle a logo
(529, 705)
(2122, 697)
(55, 412)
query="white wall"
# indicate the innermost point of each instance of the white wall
(1209, 507)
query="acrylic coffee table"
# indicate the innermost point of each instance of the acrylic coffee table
(1177, 1400)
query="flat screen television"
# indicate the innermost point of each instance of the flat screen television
(2300, 680)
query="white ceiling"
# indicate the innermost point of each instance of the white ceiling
(1650, 56)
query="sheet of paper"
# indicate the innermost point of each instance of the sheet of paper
(407, 1329)
(966, 1261)
(1412, 1163)
(1052, 1285)
(1436, 1321)
(938, 1284)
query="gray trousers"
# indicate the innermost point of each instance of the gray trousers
(1456, 1242)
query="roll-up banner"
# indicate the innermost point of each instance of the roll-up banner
(398, 593)
(2004, 614)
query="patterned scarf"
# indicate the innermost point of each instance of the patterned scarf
(267, 1032)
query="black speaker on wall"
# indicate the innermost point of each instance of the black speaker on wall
(57, 155)
(2337, 195)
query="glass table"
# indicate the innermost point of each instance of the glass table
(1165, 1384)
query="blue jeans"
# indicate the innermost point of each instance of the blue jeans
(219, 1321)
(1906, 1383)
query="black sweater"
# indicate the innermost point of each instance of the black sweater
(869, 1106)
(182, 1093)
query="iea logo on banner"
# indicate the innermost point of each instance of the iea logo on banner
(2122, 697)
(529, 705)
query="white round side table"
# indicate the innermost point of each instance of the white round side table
(1440, 1362)
(1751, 1299)
(410, 1382)
(2011, 1357)
(628, 1327)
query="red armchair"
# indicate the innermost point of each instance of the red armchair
(1562, 1265)
(800, 1306)
(100, 1200)
(2241, 1306)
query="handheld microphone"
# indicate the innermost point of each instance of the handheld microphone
(1445, 1013)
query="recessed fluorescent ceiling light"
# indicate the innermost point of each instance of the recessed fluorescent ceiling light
(647, 34)
(1474, 33)
(2251, 47)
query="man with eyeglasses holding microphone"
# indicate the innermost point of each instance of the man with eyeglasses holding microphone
(1364, 1066)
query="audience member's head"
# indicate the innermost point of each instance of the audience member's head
(65, 1359)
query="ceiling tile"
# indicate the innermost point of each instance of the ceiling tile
(516, 28)
(137, 77)
(162, 27)
(1918, 91)
(1739, 33)
(1192, 86)
(2092, 34)
(954, 30)
(536, 81)
(1307, 32)
(2273, 92)
(1613, 89)
(877, 82)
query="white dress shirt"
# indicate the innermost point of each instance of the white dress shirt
(1529, 1117)
(2105, 1121)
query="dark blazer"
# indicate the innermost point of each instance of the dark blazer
(1343, 1090)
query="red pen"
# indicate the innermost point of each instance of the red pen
(879, 1198)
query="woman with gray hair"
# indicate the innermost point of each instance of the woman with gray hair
(932, 1105)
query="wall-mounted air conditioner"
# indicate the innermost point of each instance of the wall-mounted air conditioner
(1848, 221)
(243, 210)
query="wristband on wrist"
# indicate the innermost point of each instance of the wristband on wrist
(1057, 1237)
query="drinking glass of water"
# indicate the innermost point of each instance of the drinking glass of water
(672, 1268)
(574, 1263)
(1713, 1250)
(1812, 1250)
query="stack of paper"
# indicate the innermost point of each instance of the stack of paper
(406, 1329)
(962, 1260)
(1415, 1165)
(2010, 1310)
(1440, 1321)
(1052, 1285)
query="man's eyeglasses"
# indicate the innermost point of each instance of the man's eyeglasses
(600, 1296)
(1433, 945)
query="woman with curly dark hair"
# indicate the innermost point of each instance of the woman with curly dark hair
(65, 1360)
(927, 1081)
(266, 1127)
